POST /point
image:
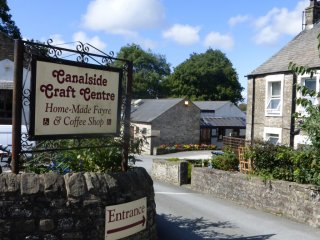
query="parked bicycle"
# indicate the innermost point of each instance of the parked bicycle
(5, 157)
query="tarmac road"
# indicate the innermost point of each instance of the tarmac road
(186, 214)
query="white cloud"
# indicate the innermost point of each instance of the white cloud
(122, 17)
(278, 22)
(218, 40)
(238, 19)
(94, 41)
(147, 43)
(183, 34)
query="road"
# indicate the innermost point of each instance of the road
(186, 214)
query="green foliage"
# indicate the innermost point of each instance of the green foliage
(95, 159)
(164, 148)
(150, 70)
(207, 76)
(243, 107)
(227, 161)
(7, 25)
(271, 160)
(173, 159)
(306, 164)
(309, 122)
(284, 163)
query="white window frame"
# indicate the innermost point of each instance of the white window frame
(301, 81)
(268, 98)
(268, 131)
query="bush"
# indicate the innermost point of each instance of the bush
(271, 160)
(227, 161)
(284, 163)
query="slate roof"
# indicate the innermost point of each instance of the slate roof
(149, 109)
(223, 122)
(210, 105)
(302, 50)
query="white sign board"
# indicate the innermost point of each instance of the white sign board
(126, 219)
(74, 100)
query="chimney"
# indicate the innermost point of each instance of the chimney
(312, 13)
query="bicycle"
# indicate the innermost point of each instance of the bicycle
(5, 157)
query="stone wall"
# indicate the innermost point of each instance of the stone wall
(52, 206)
(179, 125)
(295, 201)
(174, 172)
(6, 47)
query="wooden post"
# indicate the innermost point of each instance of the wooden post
(127, 113)
(17, 104)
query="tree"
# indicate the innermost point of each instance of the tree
(309, 121)
(7, 25)
(149, 71)
(206, 76)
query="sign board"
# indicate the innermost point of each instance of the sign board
(126, 219)
(72, 99)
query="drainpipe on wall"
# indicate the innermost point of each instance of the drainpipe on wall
(293, 109)
(253, 106)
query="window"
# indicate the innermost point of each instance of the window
(310, 83)
(144, 131)
(274, 98)
(5, 105)
(137, 130)
(272, 135)
(272, 138)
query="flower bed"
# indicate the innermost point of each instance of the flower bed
(165, 149)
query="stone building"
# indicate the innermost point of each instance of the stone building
(272, 89)
(219, 119)
(165, 121)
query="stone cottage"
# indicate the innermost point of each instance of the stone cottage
(272, 86)
(165, 121)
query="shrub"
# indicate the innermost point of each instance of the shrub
(227, 161)
(284, 163)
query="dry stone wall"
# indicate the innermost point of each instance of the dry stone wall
(174, 172)
(295, 201)
(52, 206)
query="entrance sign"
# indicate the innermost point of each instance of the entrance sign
(126, 219)
(71, 99)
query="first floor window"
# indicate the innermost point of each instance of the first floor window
(274, 98)
(311, 84)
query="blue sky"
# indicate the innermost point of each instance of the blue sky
(247, 31)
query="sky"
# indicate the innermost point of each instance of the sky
(249, 32)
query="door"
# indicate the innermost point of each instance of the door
(205, 136)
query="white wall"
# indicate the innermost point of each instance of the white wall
(146, 148)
